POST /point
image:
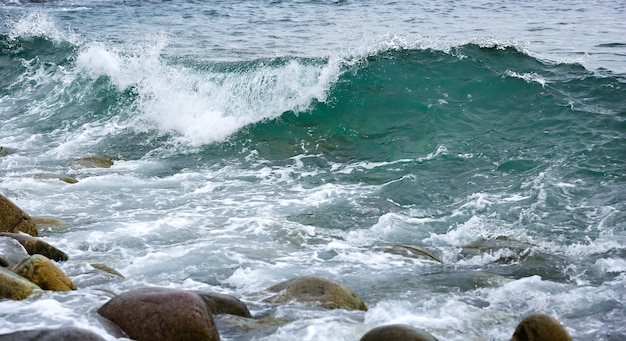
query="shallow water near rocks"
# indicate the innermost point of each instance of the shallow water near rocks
(257, 141)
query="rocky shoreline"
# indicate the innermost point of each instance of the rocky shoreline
(28, 265)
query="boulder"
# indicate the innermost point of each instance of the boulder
(4, 151)
(409, 251)
(48, 222)
(13, 219)
(58, 334)
(397, 332)
(540, 327)
(327, 293)
(15, 287)
(223, 304)
(42, 271)
(161, 314)
(37, 246)
(92, 162)
(12, 251)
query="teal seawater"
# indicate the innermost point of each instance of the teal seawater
(266, 167)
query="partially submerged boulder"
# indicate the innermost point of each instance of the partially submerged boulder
(540, 327)
(4, 151)
(409, 251)
(49, 222)
(37, 246)
(12, 251)
(92, 162)
(397, 332)
(14, 286)
(107, 269)
(58, 334)
(161, 314)
(48, 176)
(13, 219)
(223, 304)
(42, 271)
(320, 290)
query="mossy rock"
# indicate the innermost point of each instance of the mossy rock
(14, 286)
(43, 272)
(92, 162)
(323, 291)
(397, 332)
(37, 246)
(540, 327)
(409, 251)
(49, 222)
(13, 219)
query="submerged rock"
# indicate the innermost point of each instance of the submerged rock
(59, 334)
(13, 219)
(4, 151)
(327, 293)
(519, 250)
(37, 246)
(409, 251)
(397, 332)
(47, 176)
(47, 221)
(540, 327)
(107, 269)
(14, 286)
(42, 271)
(12, 251)
(161, 314)
(223, 304)
(92, 162)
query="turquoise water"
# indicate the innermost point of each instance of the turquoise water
(255, 141)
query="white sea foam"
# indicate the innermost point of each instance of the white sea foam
(40, 24)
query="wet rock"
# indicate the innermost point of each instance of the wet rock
(161, 314)
(42, 271)
(397, 332)
(12, 251)
(13, 219)
(59, 334)
(47, 176)
(4, 263)
(540, 327)
(317, 289)
(518, 250)
(37, 246)
(409, 251)
(223, 304)
(92, 162)
(4, 151)
(14, 286)
(107, 269)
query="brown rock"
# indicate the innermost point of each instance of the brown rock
(46, 176)
(409, 251)
(42, 271)
(540, 327)
(59, 334)
(37, 246)
(13, 219)
(107, 269)
(47, 221)
(92, 162)
(397, 332)
(161, 314)
(223, 304)
(317, 289)
(15, 287)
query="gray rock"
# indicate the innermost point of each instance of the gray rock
(37, 246)
(59, 334)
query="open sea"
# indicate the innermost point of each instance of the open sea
(256, 141)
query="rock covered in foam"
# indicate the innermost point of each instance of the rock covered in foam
(321, 290)
(37, 246)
